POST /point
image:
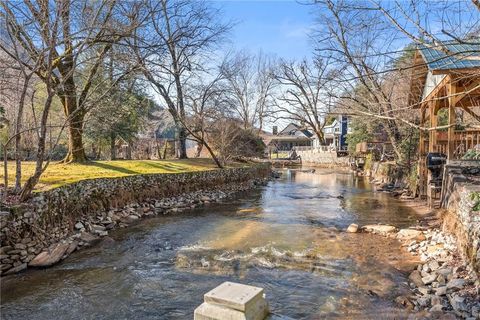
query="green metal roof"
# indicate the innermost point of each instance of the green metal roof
(452, 55)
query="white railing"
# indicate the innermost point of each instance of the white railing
(303, 148)
(317, 148)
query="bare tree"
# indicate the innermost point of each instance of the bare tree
(363, 39)
(352, 42)
(176, 39)
(204, 100)
(304, 93)
(81, 33)
(250, 86)
(232, 142)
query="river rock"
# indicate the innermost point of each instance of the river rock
(79, 226)
(410, 234)
(50, 257)
(379, 229)
(97, 227)
(457, 302)
(423, 301)
(16, 269)
(434, 265)
(429, 279)
(353, 228)
(436, 308)
(441, 291)
(101, 233)
(441, 279)
(73, 245)
(435, 300)
(424, 290)
(88, 237)
(5, 249)
(107, 242)
(456, 284)
(404, 301)
(434, 248)
(445, 272)
(5, 266)
(416, 278)
(20, 246)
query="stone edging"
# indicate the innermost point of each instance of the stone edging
(43, 230)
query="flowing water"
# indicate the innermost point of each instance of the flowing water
(286, 237)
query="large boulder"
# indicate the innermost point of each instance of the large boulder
(53, 255)
(353, 228)
(379, 229)
(410, 234)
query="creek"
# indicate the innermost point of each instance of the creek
(287, 237)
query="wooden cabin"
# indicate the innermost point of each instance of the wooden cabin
(446, 77)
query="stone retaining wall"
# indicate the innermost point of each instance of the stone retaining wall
(319, 157)
(462, 218)
(50, 217)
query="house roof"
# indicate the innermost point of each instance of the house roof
(295, 127)
(451, 55)
(331, 125)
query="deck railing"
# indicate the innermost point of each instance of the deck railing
(462, 142)
(320, 148)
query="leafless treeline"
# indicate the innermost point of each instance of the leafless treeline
(54, 54)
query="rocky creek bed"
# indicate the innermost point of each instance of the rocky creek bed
(443, 285)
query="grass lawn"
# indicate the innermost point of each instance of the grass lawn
(280, 155)
(59, 174)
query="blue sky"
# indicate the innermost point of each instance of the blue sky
(275, 27)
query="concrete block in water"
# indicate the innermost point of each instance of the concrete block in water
(233, 301)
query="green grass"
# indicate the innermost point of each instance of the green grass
(280, 155)
(60, 174)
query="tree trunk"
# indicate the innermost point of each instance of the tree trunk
(394, 137)
(214, 157)
(199, 149)
(76, 151)
(5, 172)
(182, 149)
(75, 115)
(129, 151)
(113, 154)
(39, 168)
(320, 136)
(18, 136)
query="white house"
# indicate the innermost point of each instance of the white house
(291, 136)
(335, 134)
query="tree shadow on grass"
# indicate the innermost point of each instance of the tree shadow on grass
(113, 168)
(168, 167)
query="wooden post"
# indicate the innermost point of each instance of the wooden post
(432, 141)
(422, 170)
(452, 101)
(422, 134)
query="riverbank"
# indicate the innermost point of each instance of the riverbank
(57, 222)
(286, 237)
(444, 285)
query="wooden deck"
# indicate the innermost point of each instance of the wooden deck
(462, 142)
